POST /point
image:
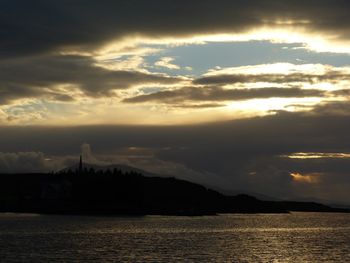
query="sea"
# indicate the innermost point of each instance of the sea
(294, 237)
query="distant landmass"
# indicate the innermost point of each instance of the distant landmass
(123, 190)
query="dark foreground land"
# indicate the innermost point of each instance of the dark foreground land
(129, 193)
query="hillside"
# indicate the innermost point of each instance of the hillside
(112, 191)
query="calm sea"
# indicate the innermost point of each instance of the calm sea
(295, 237)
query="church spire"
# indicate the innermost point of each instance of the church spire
(81, 164)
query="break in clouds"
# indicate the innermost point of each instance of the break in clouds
(64, 51)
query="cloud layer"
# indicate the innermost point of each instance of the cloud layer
(246, 155)
(219, 94)
(40, 26)
(45, 76)
(64, 51)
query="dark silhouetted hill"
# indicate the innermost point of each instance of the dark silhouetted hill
(114, 191)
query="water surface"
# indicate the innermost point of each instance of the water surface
(295, 237)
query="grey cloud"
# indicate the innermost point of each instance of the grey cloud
(337, 108)
(342, 92)
(222, 79)
(37, 26)
(284, 132)
(198, 106)
(329, 175)
(37, 77)
(32, 31)
(212, 93)
(23, 162)
(226, 152)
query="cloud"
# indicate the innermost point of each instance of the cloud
(342, 92)
(338, 108)
(87, 155)
(166, 62)
(281, 73)
(242, 155)
(279, 80)
(198, 106)
(37, 26)
(24, 162)
(213, 93)
(271, 78)
(62, 77)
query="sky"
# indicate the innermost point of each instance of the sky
(243, 96)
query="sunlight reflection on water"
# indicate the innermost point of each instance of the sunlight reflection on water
(296, 237)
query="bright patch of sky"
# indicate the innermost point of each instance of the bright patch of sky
(197, 59)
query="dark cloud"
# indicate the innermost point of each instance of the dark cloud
(342, 92)
(213, 93)
(33, 32)
(283, 133)
(36, 26)
(39, 76)
(226, 152)
(324, 178)
(222, 79)
(23, 162)
(333, 108)
(198, 106)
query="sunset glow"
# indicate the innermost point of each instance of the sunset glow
(305, 178)
(211, 90)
